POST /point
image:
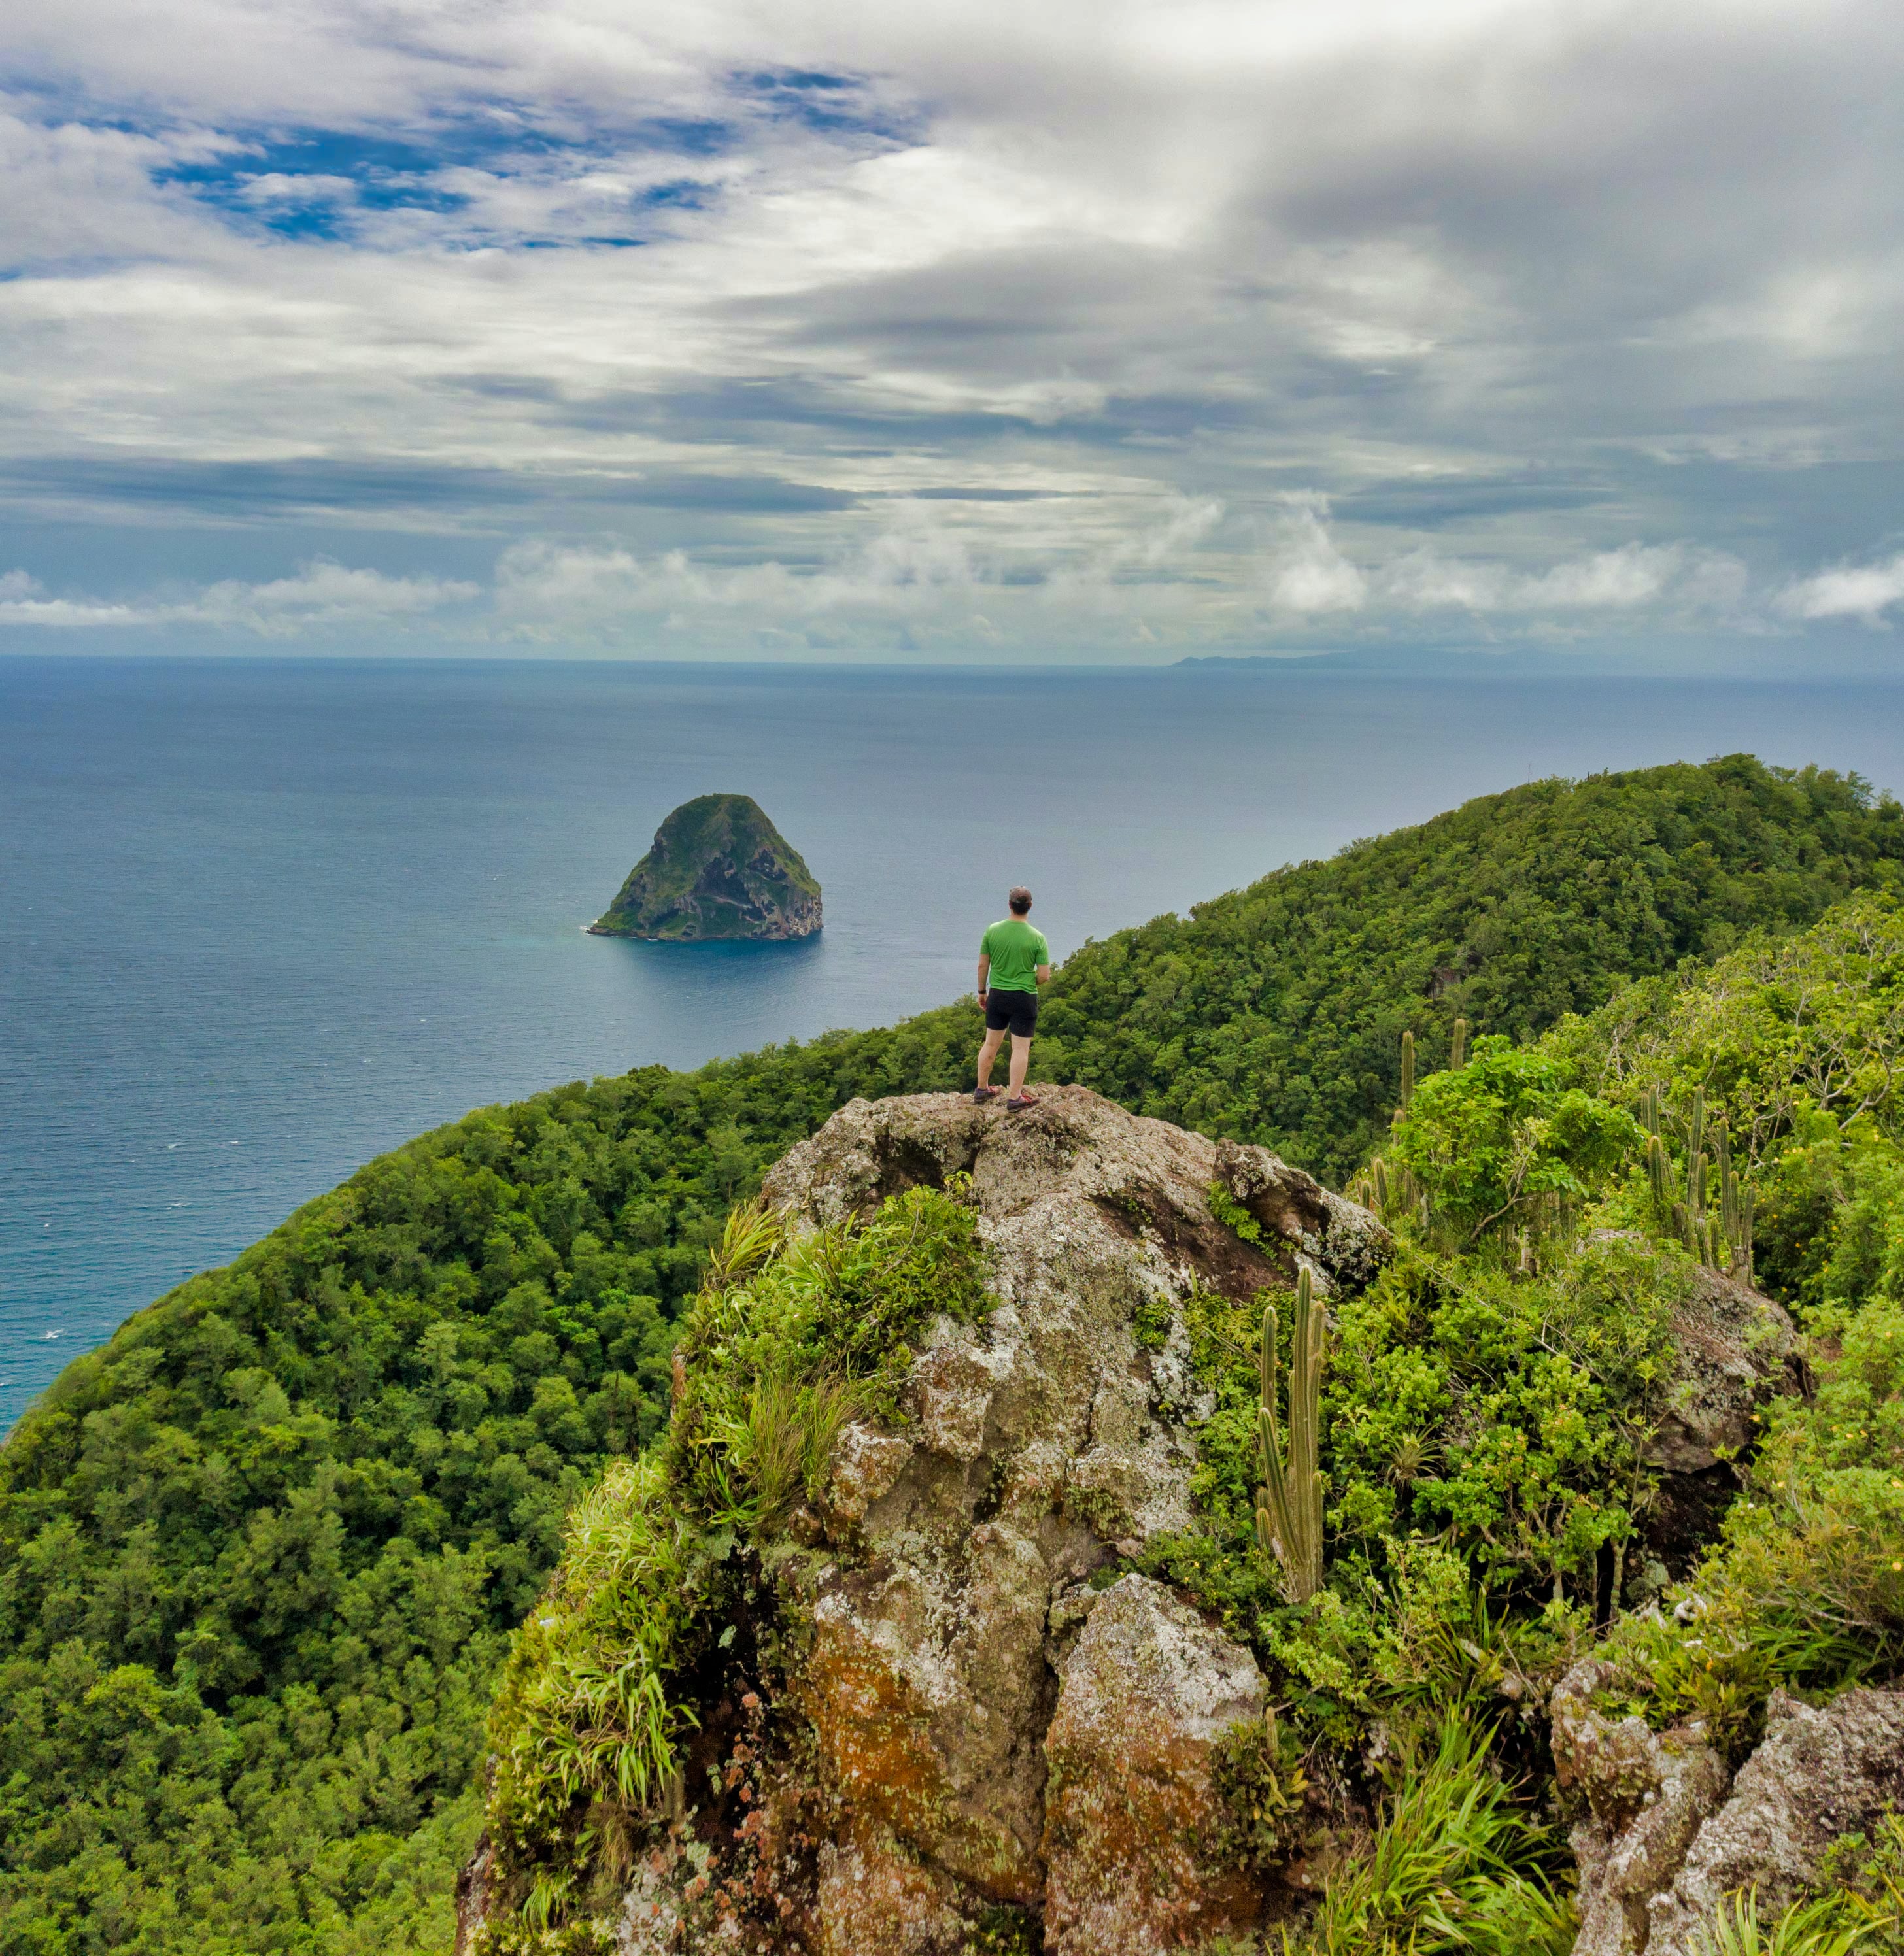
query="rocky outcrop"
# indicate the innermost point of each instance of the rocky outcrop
(985, 1735)
(1735, 1348)
(717, 869)
(1665, 1834)
(1641, 1797)
(1819, 1775)
(990, 1729)
(1095, 1167)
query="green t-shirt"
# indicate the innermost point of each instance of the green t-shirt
(1016, 951)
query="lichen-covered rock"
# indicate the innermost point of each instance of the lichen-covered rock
(1640, 1797)
(1130, 1814)
(1734, 1349)
(1040, 1442)
(1345, 1240)
(1818, 1776)
(948, 1586)
(974, 1742)
(473, 1896)
(875, 1900)
(1665, 1834)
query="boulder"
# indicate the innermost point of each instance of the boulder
(1041, 1442)
(1640, 1797)
(1819, 1775)
(1734, 1348)
(1148, 1688)
(1665, 1834)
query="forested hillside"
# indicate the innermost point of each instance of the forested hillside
(260, 1556)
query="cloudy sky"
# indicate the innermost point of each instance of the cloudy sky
(1078, 330)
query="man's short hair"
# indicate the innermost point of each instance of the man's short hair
(1020, 899)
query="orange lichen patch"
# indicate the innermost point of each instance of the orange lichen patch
(875, 1900)
(879, 1766)
(875, 1749)
(1122, 1841)
(1131, 1812)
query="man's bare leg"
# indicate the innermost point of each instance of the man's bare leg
(986, 1054)
(1020, 1059)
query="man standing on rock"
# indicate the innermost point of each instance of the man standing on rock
(1014, 960)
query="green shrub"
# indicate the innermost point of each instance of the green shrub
(1501, 1140)
(1804, 1590)
(1820, 1927)
(1256, 1773)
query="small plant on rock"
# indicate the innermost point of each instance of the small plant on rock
(1256, 1770)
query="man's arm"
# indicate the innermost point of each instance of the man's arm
(984, 972)
(1045, 974)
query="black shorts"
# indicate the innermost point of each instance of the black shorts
(1016, 1012)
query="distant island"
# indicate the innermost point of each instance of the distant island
(718, 869)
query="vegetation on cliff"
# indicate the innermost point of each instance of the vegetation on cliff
(1485, 1437)
(260, 1557)
(788, 1340)
(717, 868)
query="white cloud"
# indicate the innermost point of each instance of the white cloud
(1633, 578)
(911, 567)
(1865, 592)
(23, 601)
(1304, 570)
(918, 580)
(322, 594)
(1150, 265)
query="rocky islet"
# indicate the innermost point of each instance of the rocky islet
(717, 870)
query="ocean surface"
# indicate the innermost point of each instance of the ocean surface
(262, 920)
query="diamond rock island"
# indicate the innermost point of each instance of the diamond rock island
(718, 869)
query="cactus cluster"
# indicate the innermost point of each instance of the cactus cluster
(1720, 1238)
(1288, 1503)
(1391, 1190)
(1388, 1188)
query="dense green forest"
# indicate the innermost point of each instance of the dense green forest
(261, 1555)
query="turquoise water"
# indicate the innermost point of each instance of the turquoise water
(260, 920)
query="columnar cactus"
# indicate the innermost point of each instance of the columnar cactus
(1288, 1503)
(1457, 1046)
(1407, 1069)
(1665, 1184)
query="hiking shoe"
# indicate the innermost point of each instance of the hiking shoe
(982, 1094)
(1022, 1100)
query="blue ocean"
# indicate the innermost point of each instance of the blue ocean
(261, 919)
